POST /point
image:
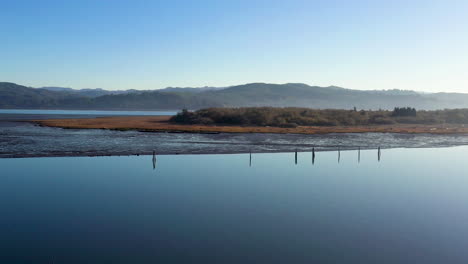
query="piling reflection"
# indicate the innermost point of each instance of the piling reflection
(154, 160)
(313, 156)
(359, 155)
(379, 156)
(339, 154)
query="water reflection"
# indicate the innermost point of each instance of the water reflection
(313, 156)
(359, 155)
(154, 160)
(339, 154)
(379, 156)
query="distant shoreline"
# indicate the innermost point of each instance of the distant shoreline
(162, 124)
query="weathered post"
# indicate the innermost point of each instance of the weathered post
(378, 154)
(295, 157)
(250, 159)
(359, 155)
(313, 156)
(339, 154)
(154, 160)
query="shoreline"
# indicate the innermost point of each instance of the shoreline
(79, 154)
(162, 124)
(146, 153)
(23, 139)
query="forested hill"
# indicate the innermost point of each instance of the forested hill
(253, 94)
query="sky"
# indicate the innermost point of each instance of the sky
(115, 44)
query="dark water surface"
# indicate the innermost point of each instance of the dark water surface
(411, 207)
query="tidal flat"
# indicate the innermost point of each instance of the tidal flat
(19, 138)
(162, 124)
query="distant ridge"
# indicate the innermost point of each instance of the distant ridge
(87, 92)
(252, 94)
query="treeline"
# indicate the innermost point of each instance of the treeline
(404, 111)
(292, 117)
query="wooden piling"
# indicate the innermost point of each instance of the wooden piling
(313, 155)
(339, 154)
(154, 160)
(359, 155)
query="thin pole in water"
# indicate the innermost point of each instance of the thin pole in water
(295, 157)
(250, 159)
(339, 154)
(378, 154)
(313, 156)
(359, 155)
(154, 160)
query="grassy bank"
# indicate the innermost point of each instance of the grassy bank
(163, 124)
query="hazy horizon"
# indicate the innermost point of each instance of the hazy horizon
(240, 84)
(119, 45)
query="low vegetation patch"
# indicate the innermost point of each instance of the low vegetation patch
(292, 117)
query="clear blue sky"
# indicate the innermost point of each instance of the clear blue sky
(113, 44)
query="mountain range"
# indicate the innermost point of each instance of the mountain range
(253, 94)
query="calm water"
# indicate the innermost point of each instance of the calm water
(411, 207)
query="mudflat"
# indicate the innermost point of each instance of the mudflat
(162, 124)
